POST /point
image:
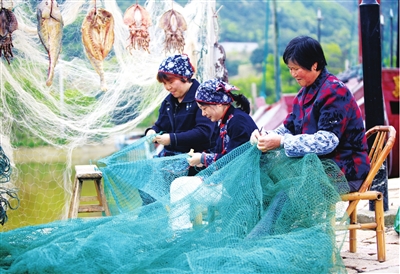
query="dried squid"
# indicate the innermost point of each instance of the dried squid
(8, 24)
(50, 30)
(174, 25)
(219, 62)
(138, 21)
(98, 39)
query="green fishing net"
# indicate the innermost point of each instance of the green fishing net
(247, 213)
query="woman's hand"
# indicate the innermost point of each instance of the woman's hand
(163, 139)
(254, 137)
(151, 132)
(194, 159)
(269, 141)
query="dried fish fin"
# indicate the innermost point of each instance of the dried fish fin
(99, 68)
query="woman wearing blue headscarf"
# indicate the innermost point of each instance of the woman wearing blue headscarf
(180, 120)
(180, 125)
(231, 112)
(215, 100)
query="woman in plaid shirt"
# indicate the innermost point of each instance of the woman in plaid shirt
(325, 120)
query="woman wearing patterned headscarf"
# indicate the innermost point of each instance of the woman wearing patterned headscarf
(231, 111)
(215, 100)
(180, 123)
(180, 120)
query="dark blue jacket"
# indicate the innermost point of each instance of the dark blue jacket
(187, 128)
(235, 129)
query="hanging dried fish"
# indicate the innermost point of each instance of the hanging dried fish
(219, 53)
(138, 21)
(174, 25)
(50, 30)
(219, 62)
(98, 39)
(8, 24)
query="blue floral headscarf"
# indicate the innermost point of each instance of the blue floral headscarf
(215, 91)
(178, 65)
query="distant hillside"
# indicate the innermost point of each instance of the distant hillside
(246, 21)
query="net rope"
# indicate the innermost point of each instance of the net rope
(250, 212)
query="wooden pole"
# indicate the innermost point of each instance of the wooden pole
(372, 78)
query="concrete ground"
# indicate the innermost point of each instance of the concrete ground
(365, 259)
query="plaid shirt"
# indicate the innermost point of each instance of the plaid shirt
(328, 106)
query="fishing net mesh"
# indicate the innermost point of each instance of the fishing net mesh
(46, 130)
(247, 213)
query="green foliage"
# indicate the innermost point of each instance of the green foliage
(270, 78)
(242, 21)
(245, 21)
(21, 137)
(334, 59)
(149, 120)
(232, 66)
(81, 102)
(339, 28)
(257, 57)
(72, 40)
(244, 85)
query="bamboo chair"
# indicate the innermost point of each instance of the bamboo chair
(383, 144)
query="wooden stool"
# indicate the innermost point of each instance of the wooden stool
(88, 173)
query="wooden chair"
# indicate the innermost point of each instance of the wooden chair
(382, 145)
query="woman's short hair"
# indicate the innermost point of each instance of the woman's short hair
(163, 77)
(305, 51)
